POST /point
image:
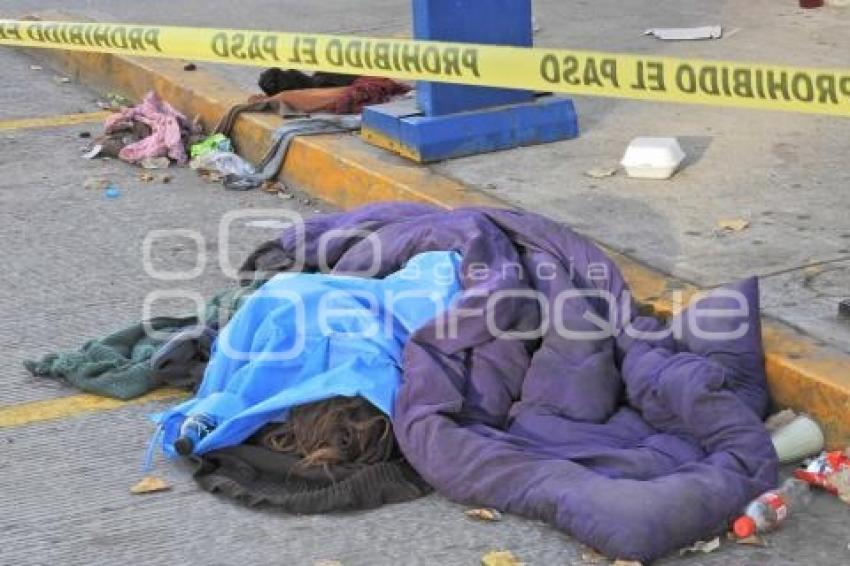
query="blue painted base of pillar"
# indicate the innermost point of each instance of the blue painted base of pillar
(402, 128)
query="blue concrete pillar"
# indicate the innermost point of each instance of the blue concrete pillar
(447, 120)
(496, 22)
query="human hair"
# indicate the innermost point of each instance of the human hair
(339, 430)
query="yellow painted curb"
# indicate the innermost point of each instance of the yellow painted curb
(803, 373)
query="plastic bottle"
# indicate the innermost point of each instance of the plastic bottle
(192, 431)
(771, 509)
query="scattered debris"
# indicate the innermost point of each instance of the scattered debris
(590, 556)
(150, 484)
(96, 183)
(210, 176)
(273, 187)
(829, 471)
(155, 163)
(36, 68)
(223, 162)
(113, 101)
(167, 178)
(285, 196)
(190, 67)
(484, 514)
(771, 509)
(327, 563)
(500, 558)
(627, 563)
(733, 224)
(112, 192)
(653, 158)
(704, 546)
(146, 177)
(799, 439)
(841, 482)
(686, 34)
(753, 540)
(215, 142)
(600, 172)
(93, 152)
(62, 80)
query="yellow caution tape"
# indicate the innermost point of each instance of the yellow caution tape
(641, 77)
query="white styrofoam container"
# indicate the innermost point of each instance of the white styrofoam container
(653, 158)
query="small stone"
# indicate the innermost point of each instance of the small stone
(285, 196)
(167, 179)
(62, 80)
(84, 135)
(190, 67)
(36, 68)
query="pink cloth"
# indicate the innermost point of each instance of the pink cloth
(167, 130)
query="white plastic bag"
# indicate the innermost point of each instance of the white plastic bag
(223, 162)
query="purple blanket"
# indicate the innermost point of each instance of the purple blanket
(635, 444)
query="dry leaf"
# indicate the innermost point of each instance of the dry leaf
(273, 187)
(704, 546)
(484, 514)
(146, 177)
(167, 179)
(150, 484)
(733, 224)
(600, 172)
(500, 558)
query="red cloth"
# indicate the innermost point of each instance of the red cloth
(366, 91)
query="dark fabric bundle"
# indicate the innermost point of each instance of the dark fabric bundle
(256, 475)
(276, 80)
